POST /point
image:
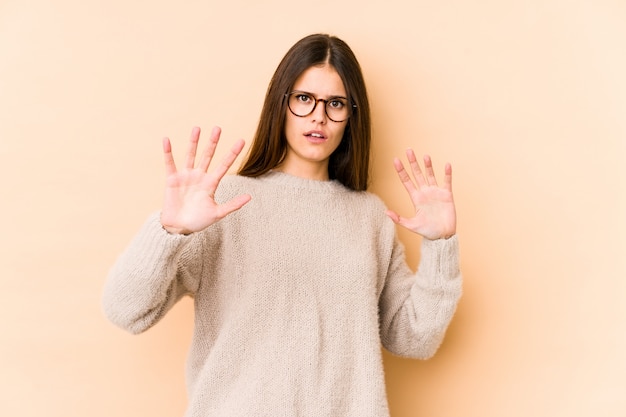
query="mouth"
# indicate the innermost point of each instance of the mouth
(315, 136)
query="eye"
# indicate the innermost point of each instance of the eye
(336, 103)
(304, 98)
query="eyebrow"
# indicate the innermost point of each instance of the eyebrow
(311, 94)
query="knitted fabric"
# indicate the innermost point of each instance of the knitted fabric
(293, 294)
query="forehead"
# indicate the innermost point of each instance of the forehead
(323, 81)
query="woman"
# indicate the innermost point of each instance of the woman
(296, 272)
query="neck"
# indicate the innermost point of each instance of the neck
(313, 171)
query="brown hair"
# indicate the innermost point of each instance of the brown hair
(349, 164)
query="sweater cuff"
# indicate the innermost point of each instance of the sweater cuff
(155, 239)
(440, 258)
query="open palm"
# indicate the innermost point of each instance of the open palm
(435, 213)
(189, 205)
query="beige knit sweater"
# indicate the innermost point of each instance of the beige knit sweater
(294, 294)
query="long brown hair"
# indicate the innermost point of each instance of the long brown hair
(349, 164)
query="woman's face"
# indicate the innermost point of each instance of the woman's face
(313, 138)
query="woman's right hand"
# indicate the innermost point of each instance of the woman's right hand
(189, 205)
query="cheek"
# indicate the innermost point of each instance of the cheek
(289, 128)
(338, 134)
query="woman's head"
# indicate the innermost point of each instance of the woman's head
(349, 163)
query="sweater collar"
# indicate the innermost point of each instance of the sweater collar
(291, 181)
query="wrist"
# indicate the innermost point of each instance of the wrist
(439, 236)
(174, 230)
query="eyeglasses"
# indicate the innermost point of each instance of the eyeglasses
(301, 104)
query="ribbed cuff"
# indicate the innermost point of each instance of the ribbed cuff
(440, 258)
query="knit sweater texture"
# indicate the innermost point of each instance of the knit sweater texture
(293, 296)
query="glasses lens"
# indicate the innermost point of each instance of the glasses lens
(337, 109)
(302, 104)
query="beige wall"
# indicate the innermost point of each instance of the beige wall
(526, 99)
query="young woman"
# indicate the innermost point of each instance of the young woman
(295, 270)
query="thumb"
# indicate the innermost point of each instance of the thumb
(233, 205)
(393, 216)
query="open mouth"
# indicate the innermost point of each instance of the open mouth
(315, 135)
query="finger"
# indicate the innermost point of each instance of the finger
(232, 205)
(415, 167)
(397, 219)
(170, 165)
(404, 176)
(224, 166)
(207, 155)
(447, 179)
(193, 147)
(393, 216)
(430, 172)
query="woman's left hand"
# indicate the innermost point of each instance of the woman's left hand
(435, 214)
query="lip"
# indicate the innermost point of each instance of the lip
(315, 136)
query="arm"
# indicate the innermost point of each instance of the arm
(150, 276)
(165, 260)
(417, 308)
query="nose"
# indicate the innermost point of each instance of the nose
(319, 112)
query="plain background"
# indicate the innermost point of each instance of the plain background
(526, 99)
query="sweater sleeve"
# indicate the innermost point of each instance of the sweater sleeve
(415, 309)
(150, 276)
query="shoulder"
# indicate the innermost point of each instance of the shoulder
(366, 201)
(232, 185)
(234, 181)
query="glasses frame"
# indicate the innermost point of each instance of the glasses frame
(351, 106)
